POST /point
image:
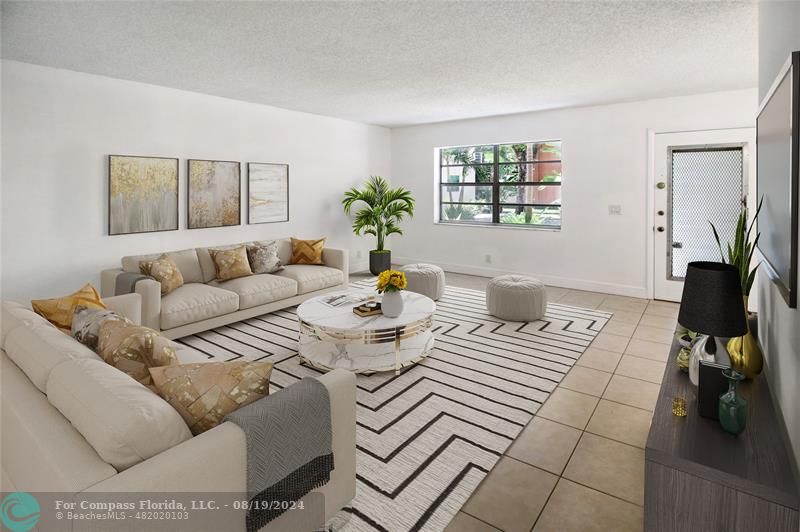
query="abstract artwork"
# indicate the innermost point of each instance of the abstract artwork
(142, 194)
(214, 193)
(268, 191)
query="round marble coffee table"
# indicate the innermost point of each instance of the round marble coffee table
(332, 336)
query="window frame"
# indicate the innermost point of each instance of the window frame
(495, 184)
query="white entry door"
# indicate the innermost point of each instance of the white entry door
(700, 177)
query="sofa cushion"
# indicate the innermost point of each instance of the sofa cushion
(186, 260)
(259, 289)
(36, 346)
(17, 315)
(310, 277)
(195, 302)
(124, 421)
(42, 451)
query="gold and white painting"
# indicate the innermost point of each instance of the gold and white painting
(214, 193)
(268, 193)
(142, 194)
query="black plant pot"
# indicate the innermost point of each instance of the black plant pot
(380, 261)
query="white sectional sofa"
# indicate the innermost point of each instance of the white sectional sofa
(74, 424)
(203, 303)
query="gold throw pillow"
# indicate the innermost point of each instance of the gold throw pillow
(204, 393)
(165, 271)
(59, 311)
(307, 251)
(133, 349)
(230, 263)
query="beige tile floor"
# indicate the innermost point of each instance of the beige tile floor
(579, 464)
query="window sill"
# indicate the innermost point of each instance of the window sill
(504, 226)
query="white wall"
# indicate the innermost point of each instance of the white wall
(604, 163)
(59, 126)
(778, 325)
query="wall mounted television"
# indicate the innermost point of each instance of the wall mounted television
(778, 164)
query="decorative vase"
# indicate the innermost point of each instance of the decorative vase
(392, 304)
(746, 357)
(699, 353)
(379, 261)
(732, 407)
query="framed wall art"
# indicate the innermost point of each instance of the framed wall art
(214, 193)
(142, 194)
(268, 193)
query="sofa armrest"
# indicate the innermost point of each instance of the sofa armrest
(127, 305)
(178, 469)
(108, 280)
(339, 259)
(150, 290)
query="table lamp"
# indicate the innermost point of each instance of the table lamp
(711, 305)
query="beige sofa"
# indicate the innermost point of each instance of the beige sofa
(203, 303)
(73, 424)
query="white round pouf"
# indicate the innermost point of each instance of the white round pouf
(516, 298)
(425, 279)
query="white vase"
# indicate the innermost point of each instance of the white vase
(697, 354)
(392, 304)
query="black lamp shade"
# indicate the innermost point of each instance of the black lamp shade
(712, 300)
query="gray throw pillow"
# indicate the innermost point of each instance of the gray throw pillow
(263, 257)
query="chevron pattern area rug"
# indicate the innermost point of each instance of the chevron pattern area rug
(427, 437)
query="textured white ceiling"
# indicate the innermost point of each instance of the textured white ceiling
(399, 63)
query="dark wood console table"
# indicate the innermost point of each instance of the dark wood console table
(700, 478)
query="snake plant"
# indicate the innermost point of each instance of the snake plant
(740, 252)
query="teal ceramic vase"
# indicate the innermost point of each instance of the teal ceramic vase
(732, 407)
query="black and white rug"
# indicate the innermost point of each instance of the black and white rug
(427, 437)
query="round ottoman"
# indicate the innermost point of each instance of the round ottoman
(425, 279)
(516, 298)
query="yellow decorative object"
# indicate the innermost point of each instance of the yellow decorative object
(679, 406)
(165, 271)
(745, 354)
(391, 281)
(204, 393)
(59, 311)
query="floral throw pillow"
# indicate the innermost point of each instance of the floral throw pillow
(263, 258)
(86, 324)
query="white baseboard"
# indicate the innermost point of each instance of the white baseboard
(563, 282)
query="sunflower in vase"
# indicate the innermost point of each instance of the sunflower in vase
(390, 284)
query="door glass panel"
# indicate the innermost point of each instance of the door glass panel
(706, 186)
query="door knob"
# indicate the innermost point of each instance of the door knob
(661, 185)
(660, 229)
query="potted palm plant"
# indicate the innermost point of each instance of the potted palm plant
(380, 215)
(746, 356)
